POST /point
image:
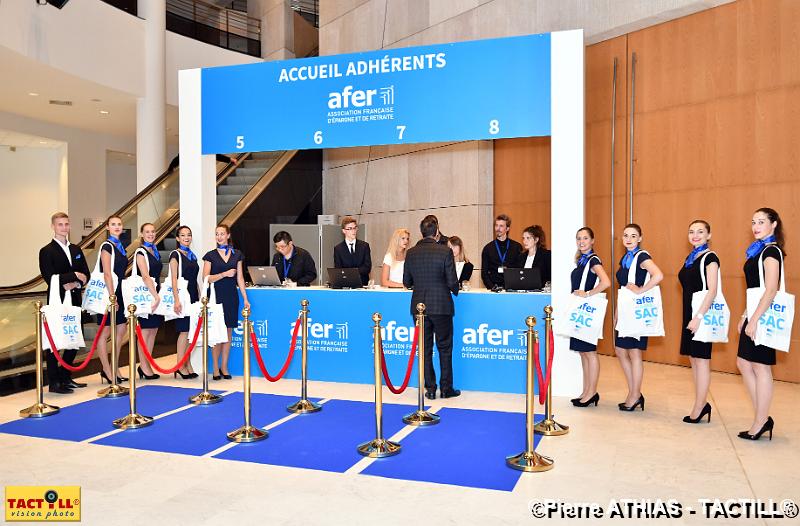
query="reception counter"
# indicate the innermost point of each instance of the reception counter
(488, 335)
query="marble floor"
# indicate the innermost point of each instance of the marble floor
(606, 455)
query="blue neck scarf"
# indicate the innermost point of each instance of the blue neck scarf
(117, 243)
(226, 248)
(693, 255)
(758, 245)
(627, 260)
(585, 258)
(152, 246)
(187, 252)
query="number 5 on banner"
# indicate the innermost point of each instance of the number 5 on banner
(239, 142)
(400, 130)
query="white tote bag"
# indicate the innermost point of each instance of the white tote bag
(217, 332)
(135, 292)
(95, 297)
(775, 326)
(583, 317)
(63, 319)
(639, 315)
(166, 307)
(716, 321)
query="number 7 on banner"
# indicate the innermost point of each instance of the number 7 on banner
(400, 130)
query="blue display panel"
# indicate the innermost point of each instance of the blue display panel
(489, 349)
(483, 89)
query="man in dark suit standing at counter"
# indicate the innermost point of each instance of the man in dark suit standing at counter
(293, 262)
(431, 272)
(352, 252)
(68, 262)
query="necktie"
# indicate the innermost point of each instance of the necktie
(352, 248)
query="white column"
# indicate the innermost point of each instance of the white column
(198, 184)
(151, 121)
(567, 188)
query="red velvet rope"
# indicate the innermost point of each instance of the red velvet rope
(544, 383)
(182, 361)
(285, 367)
(392, 388)
(64, 364)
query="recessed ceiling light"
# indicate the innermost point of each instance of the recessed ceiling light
(42, 142)
(32, 94)
(103, 112)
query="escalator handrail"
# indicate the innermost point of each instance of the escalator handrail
(14, 290)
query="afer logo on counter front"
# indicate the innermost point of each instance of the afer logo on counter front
(43, 503)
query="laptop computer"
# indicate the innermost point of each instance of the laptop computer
(264, 276)
(344, 278)
(522, 279)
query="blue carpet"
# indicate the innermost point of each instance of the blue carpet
(91, 418)
(467, 448)
(326, 440)
(201, 429)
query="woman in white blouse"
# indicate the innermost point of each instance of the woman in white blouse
(395, 258)
(463, 266)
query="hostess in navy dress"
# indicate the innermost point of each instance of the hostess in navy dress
(226, 288)
(120, 266)
(188, 270)
(622, 279)
(591, 281)
(748, 350)
(153, 321)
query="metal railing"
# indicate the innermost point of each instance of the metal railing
(215, 25)
(308, 9)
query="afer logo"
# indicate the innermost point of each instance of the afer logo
(259, 328)
(356, 98)
(483, 335)
(393, 332)
(324, 330)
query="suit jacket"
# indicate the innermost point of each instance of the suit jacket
(431, 271)
(466, 272)
(52, 260)
(541, 261)
(303, 271)
(361, 259)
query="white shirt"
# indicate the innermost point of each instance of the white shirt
(351, 246)
(396, 270)
(65, 248)
(529, 261)
(459, 268)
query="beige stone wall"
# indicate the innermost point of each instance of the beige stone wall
(401, 184)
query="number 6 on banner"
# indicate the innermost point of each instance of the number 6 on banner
(318, 137)
(400, 130)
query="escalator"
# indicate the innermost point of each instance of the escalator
(241, 181)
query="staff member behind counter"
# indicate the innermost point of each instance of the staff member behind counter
(291, 262)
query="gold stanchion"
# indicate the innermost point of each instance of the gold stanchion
(548, 426)
(529, 460)
(380, 447)
(133, 420)
(304, 405)
(247, 433)
(206, 397)
(421, 417)
(39, 409)
(114, 390)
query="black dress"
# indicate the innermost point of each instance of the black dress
(622, 279)
(120, 266)
(591, 281)
(748, 350)
(692, 282)
(153, 321)
(189, 271)
(225, 288)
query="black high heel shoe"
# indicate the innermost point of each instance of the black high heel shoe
(105, 377)
(706, 411)
(184, 376)
(593, 400)
(768, 426)
(637, 403)
(193, 375)
(217, 376)
(143, 376)
(226, 376)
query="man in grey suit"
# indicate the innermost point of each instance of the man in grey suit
(431, 272)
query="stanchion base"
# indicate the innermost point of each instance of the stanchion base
(39, 411)
(530, 462)
(304, 406)
(113, 391)
(550, 428)
(133, 421)
(421, 418)
(247, 434)
(205, 398)
(379, 448)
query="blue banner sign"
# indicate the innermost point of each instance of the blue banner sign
(483, 89)
(489, 348)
